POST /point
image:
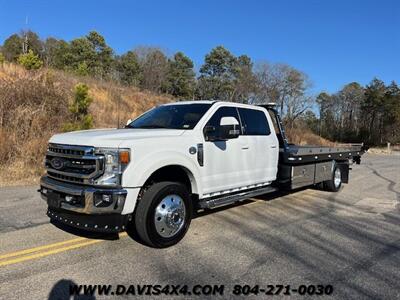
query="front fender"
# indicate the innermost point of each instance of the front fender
(138, 172)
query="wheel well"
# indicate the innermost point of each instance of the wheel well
(173, 173)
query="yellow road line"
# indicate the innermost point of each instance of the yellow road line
(35, 249)
(47, 253)
(78, 244)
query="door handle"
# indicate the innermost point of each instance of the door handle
(274, 146)
(245, 147)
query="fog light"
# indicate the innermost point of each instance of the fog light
(44, 191)
(69, 198)
(103, 200)
(107, 198)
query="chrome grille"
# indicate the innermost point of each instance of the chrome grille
(69, 151)
(77, 164)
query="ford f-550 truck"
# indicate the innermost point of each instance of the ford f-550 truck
(151, 176)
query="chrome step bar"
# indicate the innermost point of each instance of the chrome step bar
(232, 198)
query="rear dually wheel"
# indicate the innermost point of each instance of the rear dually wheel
(335, 183)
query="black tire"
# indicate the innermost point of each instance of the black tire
(331, 185)
(144, 219)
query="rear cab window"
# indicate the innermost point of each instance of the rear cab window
(254, 122)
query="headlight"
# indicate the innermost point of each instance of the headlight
(115, 162)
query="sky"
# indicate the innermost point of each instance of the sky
(334, 42)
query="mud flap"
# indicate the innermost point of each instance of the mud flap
(344, 169)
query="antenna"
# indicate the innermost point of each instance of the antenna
(118, 109)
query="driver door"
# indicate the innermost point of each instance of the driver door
(224, 161)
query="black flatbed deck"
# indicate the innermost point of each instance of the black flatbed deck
(294, 154)
(309, 150)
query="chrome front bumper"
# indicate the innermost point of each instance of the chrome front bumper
(81, 199)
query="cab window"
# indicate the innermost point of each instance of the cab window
(254, 122)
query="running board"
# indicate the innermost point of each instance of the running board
(232, 198)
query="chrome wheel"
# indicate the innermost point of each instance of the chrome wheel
(337, 178)
(169, 217)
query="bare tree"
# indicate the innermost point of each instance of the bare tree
(349, 100)
(285, 86)
(154, 66)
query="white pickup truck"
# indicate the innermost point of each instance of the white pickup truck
(151, 176)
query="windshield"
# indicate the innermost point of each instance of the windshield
(179, 116)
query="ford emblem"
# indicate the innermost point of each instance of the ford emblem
(57, 163)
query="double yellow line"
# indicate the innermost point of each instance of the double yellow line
(46, 250)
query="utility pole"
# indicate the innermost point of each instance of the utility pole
(25, 42)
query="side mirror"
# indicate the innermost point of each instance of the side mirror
(229, 128)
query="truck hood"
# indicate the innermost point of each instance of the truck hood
(111, 137)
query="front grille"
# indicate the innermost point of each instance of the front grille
(64, 177)
(78, 164)
(73, 165)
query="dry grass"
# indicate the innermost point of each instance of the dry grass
(304, 136)
(34, 105)
(112, 103)
(394, 149)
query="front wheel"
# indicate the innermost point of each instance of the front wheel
(335, 183)
(163, 214)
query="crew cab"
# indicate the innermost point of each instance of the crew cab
(151, 176)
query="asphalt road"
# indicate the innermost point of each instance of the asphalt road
(350, 240)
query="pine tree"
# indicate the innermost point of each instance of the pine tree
(181, 77)
(129, 69)
(79, 109)
(217, 75)
(30, 61)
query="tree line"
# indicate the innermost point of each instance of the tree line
(223, 75)
(370, 113)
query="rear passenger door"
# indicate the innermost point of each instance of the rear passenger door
(261, 146)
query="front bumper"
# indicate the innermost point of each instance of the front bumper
(107, 223)
(82, 206)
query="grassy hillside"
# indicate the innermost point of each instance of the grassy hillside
(304, 136)
(34, 106)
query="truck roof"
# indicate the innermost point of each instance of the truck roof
(191, 102)
(214, 101)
